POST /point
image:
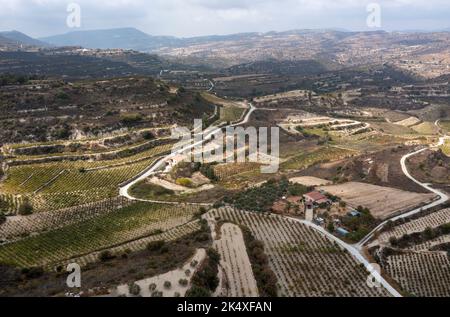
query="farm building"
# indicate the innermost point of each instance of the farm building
(354, 213)
(342, 232)
(316, 198)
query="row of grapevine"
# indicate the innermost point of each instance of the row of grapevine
(225, 171)
(433, 220)
(18, 227)
(305, 262)
(105, 231)
(9, 204)
(134, 246)
(421, 274)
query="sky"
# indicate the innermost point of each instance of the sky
(186, 18)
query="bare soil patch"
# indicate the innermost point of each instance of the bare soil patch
(383, 202)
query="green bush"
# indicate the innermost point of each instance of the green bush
(155, 245)
(185, 182)
(25, 208)
(134, 289)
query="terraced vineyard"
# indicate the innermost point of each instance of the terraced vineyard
(10, 204)
(305, 262)
(323, 155)
(225, 171)
(57, 185)
(131, 223)
(433, 220)
(136, 245)
(18, 227)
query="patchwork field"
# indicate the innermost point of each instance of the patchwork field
(383, 202)
(57, 185)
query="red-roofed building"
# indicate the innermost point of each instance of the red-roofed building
(316, 198)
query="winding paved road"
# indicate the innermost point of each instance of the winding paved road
(356, 254)
(161, 163)
(443, 198)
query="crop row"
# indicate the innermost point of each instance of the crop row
(433, 220)
(18, 227)
(305, 262)
(106, 231)
(421, 274)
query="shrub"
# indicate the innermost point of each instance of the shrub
(33, 272)
(134, 289)
(185, 182)
(152, 287)
(106, 256)
(198, 292)
(183, 282)
(155, 245)
(167, 284)
(25, 208)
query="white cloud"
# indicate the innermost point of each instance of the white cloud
(200, 17)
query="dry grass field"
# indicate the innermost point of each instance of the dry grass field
(383, 202)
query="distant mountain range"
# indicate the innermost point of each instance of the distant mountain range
(134, 39)
(18, 38)
(131, 38)
(124, 38)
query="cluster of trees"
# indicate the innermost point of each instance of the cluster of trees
(265, 277)
(360, 226)
(261, 199)
(205, 280)
(208, 171)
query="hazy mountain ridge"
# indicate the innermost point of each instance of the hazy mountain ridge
(17, 37)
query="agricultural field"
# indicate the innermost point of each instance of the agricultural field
(445, 125)
(446, 148)
(230, 111)
(171, 284)
(383, 202)
(57, 185)
(324, 154)
(304, 261)
(426, 128)
(421, 274)
(237, 279)
(433, 220)
(136, 221)
(22, 226)
(231, 114)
